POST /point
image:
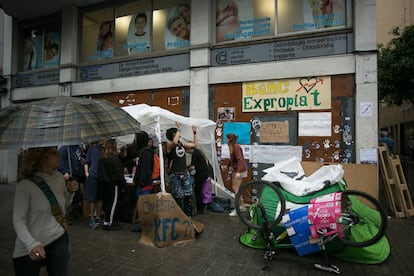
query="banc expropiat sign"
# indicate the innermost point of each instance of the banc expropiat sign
(307, 93)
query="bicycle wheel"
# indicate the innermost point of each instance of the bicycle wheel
(260, 202)
(364, 220)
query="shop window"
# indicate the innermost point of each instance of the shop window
(135, 28)
(40, 47)
(244, 19)
(306, 15)
(171, 26)
(252, 19)
(97, 35)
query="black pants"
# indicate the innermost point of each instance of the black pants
(56, 262)
(110, 200)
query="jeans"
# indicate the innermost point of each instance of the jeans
(181, 185)
(56, 262)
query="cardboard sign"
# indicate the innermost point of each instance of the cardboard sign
(274, 132)
(163, 222)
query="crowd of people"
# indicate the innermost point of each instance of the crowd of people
(71, 175)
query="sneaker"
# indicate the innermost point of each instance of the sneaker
(99, 221)
(111, 227)
(92, 223)
(233, 213)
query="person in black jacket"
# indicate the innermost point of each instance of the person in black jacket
(145, 162)
(203, 172)
(111, 175)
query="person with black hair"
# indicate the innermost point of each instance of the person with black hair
(181, 186)
(203, 173)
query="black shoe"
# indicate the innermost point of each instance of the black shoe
(111, 227)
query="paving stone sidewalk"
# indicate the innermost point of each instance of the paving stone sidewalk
(217, 251)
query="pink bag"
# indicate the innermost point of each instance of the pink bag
(324, 214)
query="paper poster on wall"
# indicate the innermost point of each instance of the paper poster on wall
(51, 49)
(240, 129)
(177, 29)
(366, 109)
(242, 19)
(368, 156)
(274, 132)
(226, 113)
(315, 124)
(270, 154)
(139, 33)
(247, 149)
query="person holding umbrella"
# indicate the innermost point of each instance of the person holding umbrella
(39, 207)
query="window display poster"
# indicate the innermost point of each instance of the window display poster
(51, 49)
(235, 20)
(240, 129)
(104, 40)
(177, 27)
(33, 50)
(322, 14)
(138, 40)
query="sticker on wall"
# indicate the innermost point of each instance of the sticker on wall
(326, 143)
(336, 128)
(315, 145)
(347, 135)
(256, 125)
(307, 153)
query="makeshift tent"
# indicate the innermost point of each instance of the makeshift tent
(155, 121)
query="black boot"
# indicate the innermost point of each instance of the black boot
(188, 206)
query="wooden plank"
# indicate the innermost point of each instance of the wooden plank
(389, 187)
(401, 183)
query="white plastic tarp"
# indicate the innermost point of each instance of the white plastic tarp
(292, 178)
(156, 120)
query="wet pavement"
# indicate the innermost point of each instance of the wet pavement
(216, 251)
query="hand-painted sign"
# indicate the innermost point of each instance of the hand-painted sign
(309, 93)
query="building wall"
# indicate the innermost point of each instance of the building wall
(201, 75)
(390, 14)
(398, 120)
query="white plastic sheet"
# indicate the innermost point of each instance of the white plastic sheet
(156, 120)
(292, 178)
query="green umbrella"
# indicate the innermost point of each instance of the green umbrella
(62, 121)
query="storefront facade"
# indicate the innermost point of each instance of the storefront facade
(284, 66)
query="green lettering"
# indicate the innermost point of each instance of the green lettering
(315, 98)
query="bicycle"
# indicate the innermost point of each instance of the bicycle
(261, 205)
